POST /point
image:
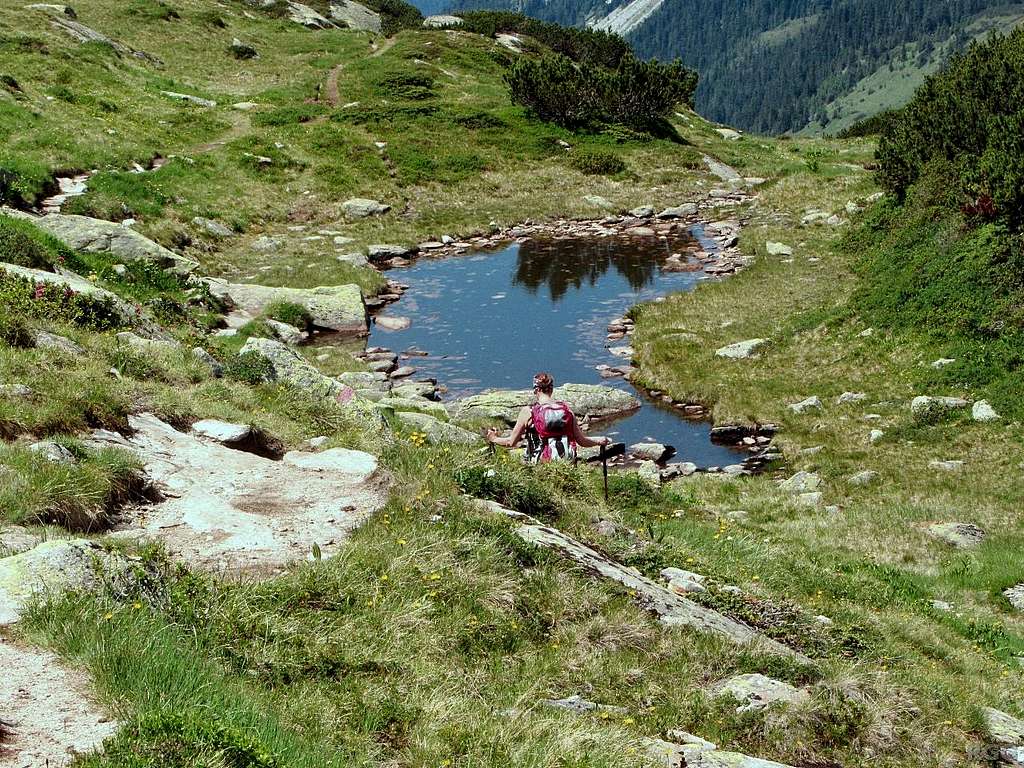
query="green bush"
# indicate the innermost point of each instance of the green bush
(15, 330)
(396, 15)
(23, 244)
(249, 368)
(407, 86)
(582, 45)
(516, 489)
(152, 10)
(972, 116)
(597, 162)
(58, 303)
(291, 313)
(637, 94)
(869, 126)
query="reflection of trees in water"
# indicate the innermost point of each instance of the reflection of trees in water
(565, 264)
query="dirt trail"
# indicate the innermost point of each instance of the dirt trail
(49, 707)
(384, 47)
(331, 88)
(240, 125)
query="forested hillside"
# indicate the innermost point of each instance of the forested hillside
(793, 65)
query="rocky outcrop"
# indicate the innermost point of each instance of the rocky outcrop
(361, 208)
(229, 509)
(755, 692)
(1016, 596)
(959, 535)
(355, 16)
(741, 349)
(290, 367)
(51, 568)
(64, 18)
(925, 406)
(442, 20)
(437, 432)
(336, 307)
(591, 400)
(306, 16)
(671, 609)
(123, 243)
(76, 284)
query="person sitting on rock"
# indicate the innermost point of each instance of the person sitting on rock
(551, 428)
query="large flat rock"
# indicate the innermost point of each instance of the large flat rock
(592, 400)
(228, 509)
(98, 236)
(334, 307)
(50, 568)
(355, 16)
(50, 709)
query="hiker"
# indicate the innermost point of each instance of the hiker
(550, 426)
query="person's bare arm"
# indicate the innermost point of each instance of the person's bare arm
(583, 441)
(517, 431)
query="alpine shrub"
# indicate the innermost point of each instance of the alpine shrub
(597, 162)
(249, 368)
(26, 246)
(291, 313)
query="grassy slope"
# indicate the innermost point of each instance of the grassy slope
(429, 643)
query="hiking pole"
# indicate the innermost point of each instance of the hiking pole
(609, 451)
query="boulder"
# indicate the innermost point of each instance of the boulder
(441, 20)
(222, 432)
(585, 400)
(52, 567)
(812, 403)
(756, 692)
(1003, 728)
(580, 706)
(437, 431)
(655, 452)
(242, 50)
(942, 362)
(778, 249)
(356, 16)
(89, 235)
(16, 390)
(211, 227)
(953, 465)
(291, 368)
(741, 349)
(389, 323)
(285, 332)
(683, 582)
(599, 202)
(209, 361)
(52, 451)
(982, 411)
(386, 251)
(76, 284)
(875, 436)
(849, 398)
(365, 382)
(225, 509)
(416, 389)
(360, 208)
(306, 16)
(867, 477)
(266, 244)
(416, 404)
(147, 346)
(679, 211)
(959, 535)
(801, 482)
(925, 406)
(190, 99)
(334, 307)
(642, 211)
(728, 134)
(45, 340)
(1016, 596)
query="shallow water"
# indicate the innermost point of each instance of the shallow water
(492, 320)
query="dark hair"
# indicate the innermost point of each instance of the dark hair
(544, 383)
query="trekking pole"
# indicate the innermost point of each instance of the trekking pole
(609, 452)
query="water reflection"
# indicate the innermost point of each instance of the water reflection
(567, 264)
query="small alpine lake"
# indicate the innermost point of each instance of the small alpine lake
(490, 320)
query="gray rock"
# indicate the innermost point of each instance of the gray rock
(389, 323)
(585, 400)
(212, 227)
(1016, 596)
(16, 390)
(306, 16)
(655, 452)
(360, 208)
(875, 436)
(209, 361)
(810, 499)
(437, 431)
(51, 568)
(402, 372)
(741, 349)
(942, 362)
(266, 244)
(679, 211)
(242, 50)
(812, 403)
(925, 405)
(147, 346)
(867, 477)
(188, 98)
(755, 692)
(728, 134)
(1012, 757)
(954, 465)
(439, 21)
(801, 482)
(83, 233)
(334, 307)
(285, 332)
(289, 367)
(778, 249)
(416, 389)
(683, 582)
(642, 212)
(982, 411)
(384, 251)
(230, 510)
(52, 451)
(848, 398)
(649, 472)
(599, 202)
(356, 16)
(1003, 728)
(222, 432)
(413, 405)
(959, 535)
(45, 340)
(672, 609)
(355, 259)
(941, 605)
(580, 706)
(721, 170)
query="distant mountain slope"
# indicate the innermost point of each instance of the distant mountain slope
(789, 65)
